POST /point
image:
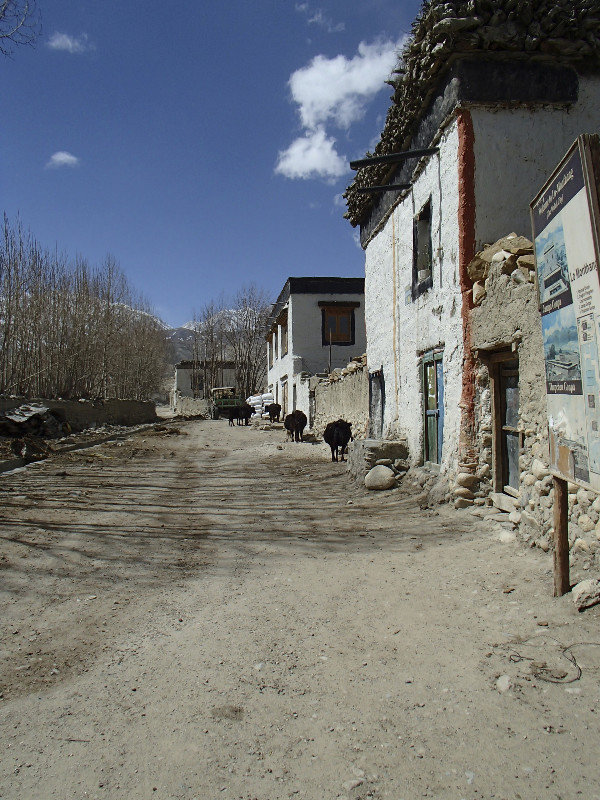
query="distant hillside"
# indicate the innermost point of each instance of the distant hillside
(181, 342)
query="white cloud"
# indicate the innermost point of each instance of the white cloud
(317, 17)
(311, 156)
(333, 92)
(70, 44)
(62, 159)
(338, 89)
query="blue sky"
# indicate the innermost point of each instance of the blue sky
(203, 143)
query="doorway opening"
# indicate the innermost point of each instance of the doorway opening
(432, 381)
(376, 403)
(506, 437)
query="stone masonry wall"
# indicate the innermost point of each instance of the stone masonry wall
(506, 316)
(344, 395)
(189, 406)
(83, 413)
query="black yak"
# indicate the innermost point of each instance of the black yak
(294, 424)
(273, 410)
(337, 435)
(242, 413)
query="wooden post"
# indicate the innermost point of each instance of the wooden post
(562, 583)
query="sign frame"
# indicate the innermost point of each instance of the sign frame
(566, 309)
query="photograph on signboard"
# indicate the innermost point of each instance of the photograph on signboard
(553, 273)
(561, 351)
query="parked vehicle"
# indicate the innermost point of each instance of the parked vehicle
(222, 398)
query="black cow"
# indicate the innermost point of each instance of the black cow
(241, 413)
(294, 424)
(337, 435)
(244, 413)
(274, 410)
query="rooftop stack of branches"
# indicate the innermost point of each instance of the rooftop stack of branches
(567, 31)
(71, 330)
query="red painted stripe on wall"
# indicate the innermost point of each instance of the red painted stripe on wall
(466, 251)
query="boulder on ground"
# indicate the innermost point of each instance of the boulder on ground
(586, 593)
(379, 478)
(467, 479)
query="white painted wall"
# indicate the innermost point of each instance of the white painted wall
(516, 150)
(183, 382)
(431, 320)
(306, 352)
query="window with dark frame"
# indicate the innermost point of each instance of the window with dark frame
(270, 350)
(337, 323)
(283, 322)
(422, 278)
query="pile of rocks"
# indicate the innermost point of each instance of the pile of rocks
(561, 30)
(385, 474)
(534, 510)
(388, 456)
(34, 419)
(357, 364)
(511, 256)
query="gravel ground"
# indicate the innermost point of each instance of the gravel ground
(221, 614)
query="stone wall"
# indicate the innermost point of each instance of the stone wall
(344, 395)
(190, 407)
(506, 317)
(85, 413)
(364, 454)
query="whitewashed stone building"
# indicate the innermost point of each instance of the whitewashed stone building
(191, 387)
(315, 326)
(494, 94)
(191, 377)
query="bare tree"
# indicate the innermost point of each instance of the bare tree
(245, 337)
(209, 342)
(228, 332)
(69, 330)
(19, 24)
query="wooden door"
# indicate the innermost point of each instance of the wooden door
(433, 406)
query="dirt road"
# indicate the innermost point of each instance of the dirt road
(221, 614)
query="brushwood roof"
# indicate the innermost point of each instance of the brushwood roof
(566, 31)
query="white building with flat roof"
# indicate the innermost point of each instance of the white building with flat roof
(317, 325)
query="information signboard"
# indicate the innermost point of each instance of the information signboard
(564, 217)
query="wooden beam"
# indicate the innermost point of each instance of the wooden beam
(562, 583)
(393, 158)
(390, 187)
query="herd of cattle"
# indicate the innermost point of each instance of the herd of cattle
(337, 434)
